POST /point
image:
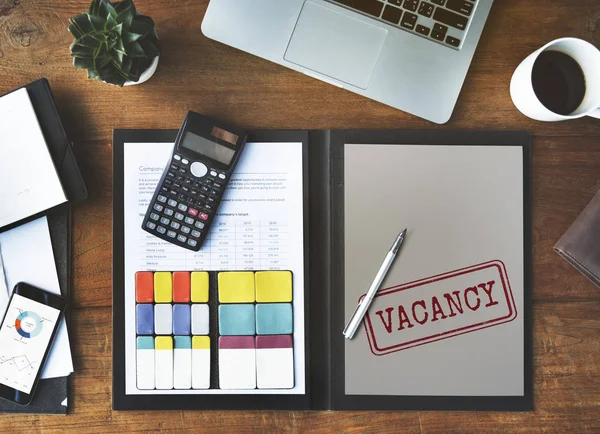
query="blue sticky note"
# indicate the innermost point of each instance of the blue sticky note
(183, 342)
(182, 319)
(274, 319)
(236, 319)
(144, 318)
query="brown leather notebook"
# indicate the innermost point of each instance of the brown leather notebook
(580, 245)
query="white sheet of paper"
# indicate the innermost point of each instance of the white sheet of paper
(28, 257)
(264, 195)
(24, 192)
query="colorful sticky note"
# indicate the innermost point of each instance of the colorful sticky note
(236, 319)
(200, 319)
(163, 319)
(274, 319)
(163, 287)
(144, 287)
(144, 319)
(274, 362)
(200, 362)
(145, 363)
(237, 362)
(236, 287)
(163, 362)
(199, 287)
(182, 363)
(182, 322)
(181, 287)
(274, 286)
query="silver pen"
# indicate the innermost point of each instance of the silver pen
(363, 306)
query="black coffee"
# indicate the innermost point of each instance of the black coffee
(558, 82)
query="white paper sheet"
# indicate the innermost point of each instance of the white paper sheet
(29, 180)
(259, 226)
(28, 257)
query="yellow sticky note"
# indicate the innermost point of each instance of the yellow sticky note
(273, 286)
(163, 343)
(163, 287)
(236, 287)
(200, 343)
(199, 287)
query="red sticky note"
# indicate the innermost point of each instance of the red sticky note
(181, 287)
(144, 287)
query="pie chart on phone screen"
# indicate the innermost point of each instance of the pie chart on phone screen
(28, 324)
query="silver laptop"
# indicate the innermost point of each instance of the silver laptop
(410, 54)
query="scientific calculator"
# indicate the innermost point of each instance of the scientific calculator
(190, 190)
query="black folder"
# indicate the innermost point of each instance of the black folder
(51, 393)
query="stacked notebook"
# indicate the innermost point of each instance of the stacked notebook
(40, 177)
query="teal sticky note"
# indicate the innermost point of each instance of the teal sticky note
(145, 343)
(236, 319)
(274, 319)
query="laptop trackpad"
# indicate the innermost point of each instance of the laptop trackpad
(335, 44)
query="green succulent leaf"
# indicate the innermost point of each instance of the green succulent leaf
(112, 42)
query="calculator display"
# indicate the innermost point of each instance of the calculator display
(206, 147)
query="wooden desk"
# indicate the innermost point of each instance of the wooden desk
(197, 73)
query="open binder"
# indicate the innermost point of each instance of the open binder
(51, 393)
(325, 289)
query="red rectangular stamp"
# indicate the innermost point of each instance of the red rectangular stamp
(439, 307)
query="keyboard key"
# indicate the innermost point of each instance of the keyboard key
(185, 229)
(211, 200)
(164, 190)
(189, 220)
(369, 7)
(172, 202)
(171, 175)
(212, 172)
(439, 28)
(214, 192)
(203, 216)
(154, 216)
(222, 176)
(192, 243)
(438, 2)
(438, 36)
(173, 193)
(409, 20)
(175, 225)
(182, 197)
(452, 41)
(392, 14)
(184, 161)
(217, 185)
(194, 192)
(450, 18)
(423, 30)
(204, 189)
(411, 5)
(182, 171)
(161, 198)
(182, 207)
(426, 9)
(196, 234)
(193, 212)
(171, 234)
(208, 207)
(169, 212)
(165, 221)
(179, 216)
(461, 6)
(181, 238)
(161, 230)
(158, 207)
(151, 225)
(177, 157)
(199, 225)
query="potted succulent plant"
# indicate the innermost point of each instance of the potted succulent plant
(114, 43)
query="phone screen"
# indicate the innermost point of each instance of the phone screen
(24, 337)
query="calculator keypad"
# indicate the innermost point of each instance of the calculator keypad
(182, 211)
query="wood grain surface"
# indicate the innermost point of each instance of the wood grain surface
(199, 74)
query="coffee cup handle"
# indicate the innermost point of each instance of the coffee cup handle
(595, 113)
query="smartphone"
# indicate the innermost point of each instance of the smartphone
(26, 334)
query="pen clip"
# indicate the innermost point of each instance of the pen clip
(351, 317)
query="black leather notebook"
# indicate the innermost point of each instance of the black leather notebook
(326, 360)
(51, 393)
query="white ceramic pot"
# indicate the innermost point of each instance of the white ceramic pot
(146, 75)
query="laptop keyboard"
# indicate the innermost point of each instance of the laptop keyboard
(442, 21)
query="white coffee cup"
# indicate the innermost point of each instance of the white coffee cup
(588, 58)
